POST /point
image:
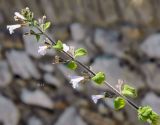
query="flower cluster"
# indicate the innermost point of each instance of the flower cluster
(122, 91)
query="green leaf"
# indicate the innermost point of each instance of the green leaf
(37, 37)
(58, 46)
(129, 91)
(46, 25)
(72, 65)
(99, 78)
(146, 114)
(119, 103)
(80, 52)
(35, 23)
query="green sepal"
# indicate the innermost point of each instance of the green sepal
(72, 65)
(146, 114)
(99, 78)
(119, 103)
(58, 46)
(80, 52)
(129, 91)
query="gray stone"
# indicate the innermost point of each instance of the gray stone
(36, 98)
(103, 109)
(114, 71)
(70, 117)
(5, 74)
(152, 72)
(22, 65)
(50, 79)
(151, 46)
(47, 67)
(107, 41)
(9, 114)
(34, 121)
(77, 31)
(119, 116)
(94, 118)
(152, 100)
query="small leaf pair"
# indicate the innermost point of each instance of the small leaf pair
(129, 91)
(45, 26)
(79, 52)
(146, 114)
(119, 103)
(99, 78)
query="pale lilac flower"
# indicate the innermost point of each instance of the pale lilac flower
(95, 98)
(13, 27)
(65, 48)
(75, 81)
(42, 50)
(19, 16)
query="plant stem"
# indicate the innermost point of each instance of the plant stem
(132, 104)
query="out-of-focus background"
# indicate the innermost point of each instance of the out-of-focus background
(123, 40)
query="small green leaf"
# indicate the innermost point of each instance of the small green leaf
(80, 52)
(146, 114)
(119, 103)
(47, 25)
(42, 27)
(58, 46)
(129, 91)
(35, 23)
(37, 36)
(99, 78)
(72, 65)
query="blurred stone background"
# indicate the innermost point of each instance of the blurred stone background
(122, 38)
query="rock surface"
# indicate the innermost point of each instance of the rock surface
(9, 114)
(107, 41)
(37, 98)
(151, 46)
(34, 121)
(50, 79)
(5, 74)
(152, 100)
(77, 31)
(70, 117)
(22, 65)
(151, 72)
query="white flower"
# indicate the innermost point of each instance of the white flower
(42, 50)
(95, 98)
(13, 27)
(18, 15)
(75, 81)
(65, 48)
